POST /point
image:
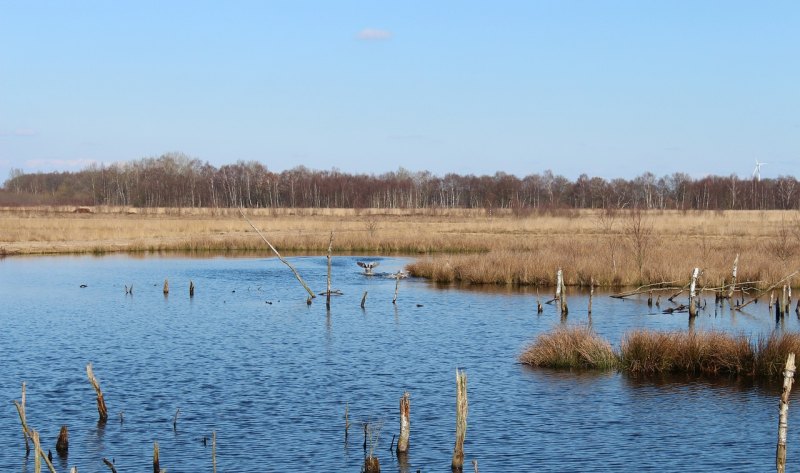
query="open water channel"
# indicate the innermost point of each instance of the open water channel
(247, 358)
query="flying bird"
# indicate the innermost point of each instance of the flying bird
(757, 170)
(368, 266)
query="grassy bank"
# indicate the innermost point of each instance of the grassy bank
(469, 246)
(651, 352)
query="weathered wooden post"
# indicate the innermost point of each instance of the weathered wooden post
(785, 300)
(564, 308)
(462, 408)
(591, 293)
(328, 292)
(62, 444)
(405, 423)
(650, 298)
(23, 420)
(559, 283)
(166, 286)
(214, 451)
(364, 299)
(396, 287)
(156, 467)
(693, 294)
(346, 420)
(101, 403)
(191, 288)
(732, 287)
(783, 418)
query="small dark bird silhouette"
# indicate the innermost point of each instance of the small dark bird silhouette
(368, 266)
(84, 285)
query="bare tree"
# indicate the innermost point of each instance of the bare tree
(639, 230)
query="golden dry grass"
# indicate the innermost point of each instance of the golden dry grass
(653, 352)
(463, 245)
(570, 347)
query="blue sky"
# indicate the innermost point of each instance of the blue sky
(609, 88)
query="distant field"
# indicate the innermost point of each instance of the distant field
(473, 246)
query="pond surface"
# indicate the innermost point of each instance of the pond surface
(247, 358)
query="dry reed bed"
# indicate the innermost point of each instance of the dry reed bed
(462, 245)
(652, 352)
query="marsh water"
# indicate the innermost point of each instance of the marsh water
(247, 358)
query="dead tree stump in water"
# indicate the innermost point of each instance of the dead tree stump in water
(101, 403)
(462, 408)
(788, 379)
(405, 423)
(693, 293)
(22, 419)
(62, 444)
(733, 277)
(328, 292)
(156, 467)
(372, 465)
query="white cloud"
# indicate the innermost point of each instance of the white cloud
(374, 34)
(18, 132)
(57, 164)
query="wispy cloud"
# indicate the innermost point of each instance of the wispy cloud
(59, 163)
(19, 132)
(374, 34)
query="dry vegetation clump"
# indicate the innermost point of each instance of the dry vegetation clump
(772, 352)
(646, 352)
(570, 347)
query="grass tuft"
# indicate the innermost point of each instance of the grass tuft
(652, 352)
(570, 347)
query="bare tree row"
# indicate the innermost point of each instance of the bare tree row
(175, 180)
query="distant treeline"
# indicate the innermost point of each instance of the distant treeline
(175, 180)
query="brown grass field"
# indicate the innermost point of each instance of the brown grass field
(469, 246)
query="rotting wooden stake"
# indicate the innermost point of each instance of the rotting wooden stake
(166, 286)
(559, 283)
(462, 408)
(733, 277)
(783, 418)
(296, 274)
(539, 309)
(396, 287)
(21, 411)
(156, 467)
(693, 293)
(564, 308)
(101, 403)
(62, 444)
(214, 452)
(40, 455)
(363, 299)
(785, 300)
(650, 298)
(191, 288)
(175, 419)
(405, 423)
(328, 292)
(591, 293)
(346, 421)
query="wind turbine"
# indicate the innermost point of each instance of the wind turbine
(757, 170)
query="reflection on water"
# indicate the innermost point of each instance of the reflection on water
(248, 359)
